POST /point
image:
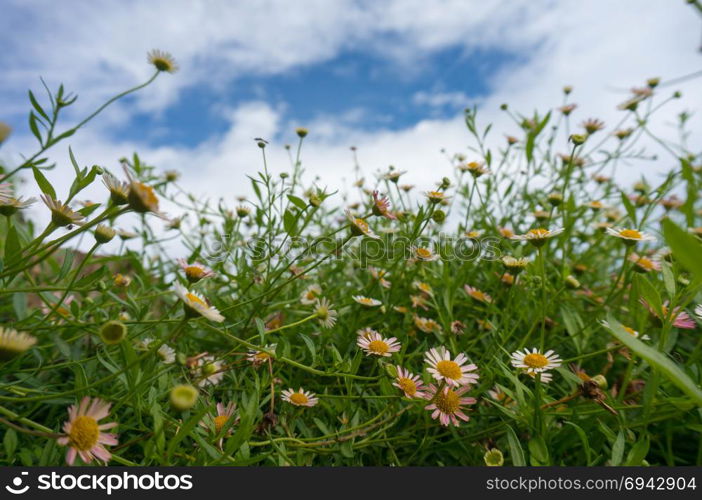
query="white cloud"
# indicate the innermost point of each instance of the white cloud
(598, 46)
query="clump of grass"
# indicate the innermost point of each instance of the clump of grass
(529, 310)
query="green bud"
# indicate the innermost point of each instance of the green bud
(113, 332)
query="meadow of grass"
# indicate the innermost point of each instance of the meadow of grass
(530, 310)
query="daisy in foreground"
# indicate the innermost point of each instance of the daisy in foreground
(446, 405)
(424, 254)
(535, 362)
(300, 397)
(476, 294)
(409, 383)
(195, 272)
(538, 236)
(14, 343)
(453, 372)
(366, 301)
(630, 236)
(678, 317)
(61, 214)
(376, 344)
(359, 227)
(195, 304)
(84, 436)
(257, 358)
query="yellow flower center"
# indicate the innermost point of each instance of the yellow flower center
(630, 233)
(298, 398)
(449, 369)
(219, 422)
(538, 233)
(84, 433)
(194, 272)
(378, 347)
(478, 295)
(645, 263)
(195, 300)
(262, 356)
(435, 195)
(209, 369)
(407, 385)
(361, 224)
(423, 253)
(310, 295)
(366, 301)
(535, 360)
(448, 402)
(147, 194)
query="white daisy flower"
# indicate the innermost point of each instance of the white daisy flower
(300, 397)
(196, 305)
(366, 301)
(453, 372)
(534, 361)
(630, 236)
(375, 344)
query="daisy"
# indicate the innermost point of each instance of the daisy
(698, 311)
(209, 371)
(410, 384)
(514, 264)
(424, 254)
(419, 301)
(162, 61)
(5, 191)
(630, 236)
(393, 175)
(61, 215)
(381, 206)
(9, 205)
(324, 312)
(629, 330)
(473, 235)
(366, 301)
(538, 236)
(474, 168)
(592, 125)
(426, 325)
(300, 397)
(195, 304)
(435, 196)
(215, 423)
(447, 404)
(477, 294)
(195, 272)
(359, 227)
(423, 287)
(142, 198)
(535, 362)
(310, 295)
(167, 354)
(680, 319)
(119, 190)
(14, 343)
(377, 345)
(644, 264)
(84, 436)
(506, 232)
(546, 377)
(380, 275)
(126, 235)
(453, 372)
(457, 327)
(257, 358)
(500, 396)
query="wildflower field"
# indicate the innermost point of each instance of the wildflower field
(529, 310)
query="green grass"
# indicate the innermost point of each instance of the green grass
(616, 399)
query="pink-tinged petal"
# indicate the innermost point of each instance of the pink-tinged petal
(462, 416)
(460, 359)
(85, 456)
(67, 427)
(444, 419)
(83, 405)
(436, 414)
(99, 409)
(220, 409)
(109, 439)
(430, 407)
(63, 441)
(72, 412)
(110, 425)
(101, 453)
(70, 456)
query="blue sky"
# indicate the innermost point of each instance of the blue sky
(388, 76)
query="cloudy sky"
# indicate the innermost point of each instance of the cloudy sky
(389, 77)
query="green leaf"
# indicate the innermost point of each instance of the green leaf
(298, 202)
(34, 127)
(686, 249)
(657, 360)
(538, 453)
(290, 223)
(618, 450)
(10, 442)
(43, 183)
(638, 452)
(515, 448)
(37, 107)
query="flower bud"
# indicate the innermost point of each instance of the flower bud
(103, 234)
(494, 458)
(113, 332)
(183, 397)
